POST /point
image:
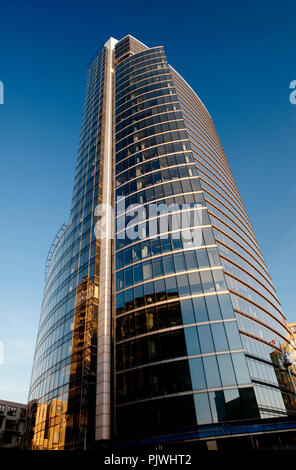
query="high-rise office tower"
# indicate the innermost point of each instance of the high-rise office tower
(159, 316)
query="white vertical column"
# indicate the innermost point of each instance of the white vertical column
(103, 410)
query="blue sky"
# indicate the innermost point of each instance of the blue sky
(240, 59)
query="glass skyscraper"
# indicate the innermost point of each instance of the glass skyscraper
(159, 316)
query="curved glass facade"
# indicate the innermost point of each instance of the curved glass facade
(63, 384)
(176, 331)
(175, 322)
(258, 311)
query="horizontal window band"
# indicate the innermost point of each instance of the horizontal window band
(236, 203)
(178, 328)
(260, 258)
(127, 105)
(188, 178)
(190, 392)
(179, 141)
(180, 250)
(170, 97)
(190, 164)
(137, 121)
(160, 216)
(164, 78)
(236, 242)
(256, 320)
(181, 129)
(227, 273)
(229, 260)
(234, 212)
(237, 229)
(158, 157)
(240, 255)
(178, 359)
(171, 231)
(168, 276)
(174, 300)
(261, 340)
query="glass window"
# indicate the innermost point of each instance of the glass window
(187, 312)
(200, 309)
(163, 316)
(226, 306)
(178, 343)
(119, 260)
(139, 296)
(153, 348)
(176, 241)
(249, 407)
(217, 404)
(156, 248)
(213, 307)
(129, 299)
(202, 408)
(119, 280)
(138, 276)
(205, 339)
(191, 261)
(160, 291)
(232, 404)
(140, 322)
(127, 256)
(11, 411)
(145, 249)
(170, 379)
(213, 257)
(158, 268)
(171, 287)
(195, 283)
(219, 337)
(183, 285)
(183, 379)
(202, 258)
(211, 371)
(192, 342)
(166, 345)
(233, 335)
(166, 245)
(207, 281)
(119, 303)
(241, 368)
(151, 319)
(226, 370)
(208, 235)
(147, 270)
(168, 262)
(197, 374)
(179, 262)
(128, 277)
(149, 293)
(175, 314)
(136, 252)
(219, 280)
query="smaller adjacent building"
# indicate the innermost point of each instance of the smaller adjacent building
(12, 423)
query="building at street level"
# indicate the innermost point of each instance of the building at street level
(12, 423)
(159, 317)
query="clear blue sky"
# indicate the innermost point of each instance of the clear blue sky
(238, 56)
